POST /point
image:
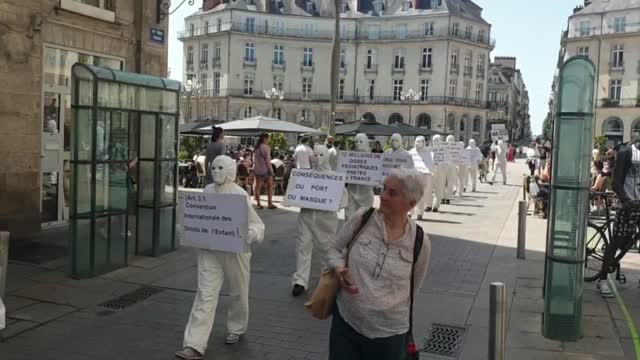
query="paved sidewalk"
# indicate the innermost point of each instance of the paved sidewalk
(473, 244)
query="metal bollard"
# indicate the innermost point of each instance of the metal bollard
(522, 230)
(4, 261)
(497, 321)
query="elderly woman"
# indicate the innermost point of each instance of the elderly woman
(371, 319)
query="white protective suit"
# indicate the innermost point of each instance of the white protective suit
(463, 172)
(501, 161)
(439, 178)
(359, 196)
(398, 153)
(452, 174)
(333, 157)
(216, 266)
(475, 158)
(316, 228)
(423, 163)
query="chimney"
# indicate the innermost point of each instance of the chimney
(210, 4)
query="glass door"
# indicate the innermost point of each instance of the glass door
(52, 173)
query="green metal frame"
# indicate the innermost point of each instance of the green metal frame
(97, 247)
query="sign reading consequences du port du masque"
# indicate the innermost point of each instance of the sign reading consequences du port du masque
(215, 221)
(310, 189)
(360, 167)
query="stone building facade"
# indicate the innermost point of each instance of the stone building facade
(508, 98)
(608, 32)
(39, 42)
(440, 49)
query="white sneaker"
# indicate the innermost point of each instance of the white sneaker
(232, 338)
(605, 290)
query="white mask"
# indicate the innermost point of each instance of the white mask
(362, 142)
(223, 170)
(321, 153)
(472, 143)
(451, 139)
(419, 143)
(396, 141)
(500, 143)
(437, 139)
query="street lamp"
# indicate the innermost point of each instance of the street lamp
(410, 97)
(189, 89)
(274, 95)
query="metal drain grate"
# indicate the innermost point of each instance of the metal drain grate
(131, 298)
(445, 340)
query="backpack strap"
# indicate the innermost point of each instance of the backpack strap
(417, 247)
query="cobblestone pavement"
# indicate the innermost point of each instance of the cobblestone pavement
(54, 317)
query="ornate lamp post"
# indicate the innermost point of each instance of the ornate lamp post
(274, 95)
(189, 89)
(410, 97)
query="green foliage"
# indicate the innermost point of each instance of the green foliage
(547, 130)
(277, 141)
(191, 145)
(600, 142)
(344, 142)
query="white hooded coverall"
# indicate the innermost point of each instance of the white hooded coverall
(501, 161)
(316, 228)
(475, 157)
(216, 266)
(463, 172)
(359, 196)
(439, 176)
(423, 163)
(452, 173)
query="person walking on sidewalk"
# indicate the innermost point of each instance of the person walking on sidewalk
(214, 149)
(501, 162)
(263, 171)
(373, 258)
(216, 266)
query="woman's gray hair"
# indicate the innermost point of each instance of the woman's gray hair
(412, 183)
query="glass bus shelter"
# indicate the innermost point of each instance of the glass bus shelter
(124, 152)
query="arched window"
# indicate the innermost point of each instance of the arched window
(477, 124)
(463, 123)
(613, 129)
(246, 112)
(635, 129)
(424, 121)
(369, 117)
(451, 123)
(395, 118)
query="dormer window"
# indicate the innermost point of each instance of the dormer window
(310, 7)
(378, 6)
(344, 7)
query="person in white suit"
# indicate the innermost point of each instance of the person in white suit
(463, 171)
(501, 161)
(316, 229)
(214, 267)
(475, 157)
(423, 163)
(439, 177)
(451, 174)
(359, 196)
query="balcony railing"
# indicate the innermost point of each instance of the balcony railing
(281, 66)
(327, 34)
(249, 62)
(425, 69)
(204, 65)
(480, 73)
(292, 96)
(616, 66)
(373, 68)
(306, 67)
(397, 69)
(622, 103)
(468, 70)
(599, 31)
(455, 68)
(215, 62)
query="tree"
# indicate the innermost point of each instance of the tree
(547, 127)
(277, 141)
(600, 143)
(191, 145)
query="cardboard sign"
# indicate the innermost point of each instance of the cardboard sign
(361, 168)
(466, 156)
(395, 160)
(499, 132)
(418, 162)
(440, 154)
(319, 190)
(455, 152)
(215, 221)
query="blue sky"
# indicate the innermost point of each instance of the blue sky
(529, 30)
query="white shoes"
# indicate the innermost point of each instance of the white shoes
(605, 289)
(232, 338)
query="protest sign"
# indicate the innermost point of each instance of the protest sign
(440, 154)
(317, 190)
(395, 160)
(499, 132)
(361, 168)
(418, 162)
(455, 152)
(215, 221)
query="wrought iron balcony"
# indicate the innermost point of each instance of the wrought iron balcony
(371, 69)
(468, 71)
(425, 69)
(307, 67)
